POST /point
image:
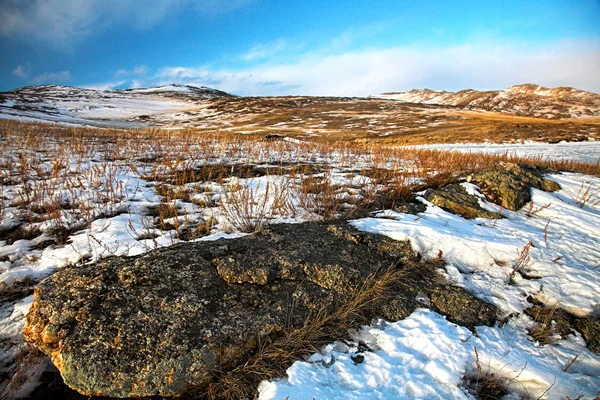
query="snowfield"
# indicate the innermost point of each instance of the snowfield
(425, 356)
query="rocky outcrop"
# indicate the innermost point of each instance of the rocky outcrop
(164, 322)
(454, 198)
(509, 185)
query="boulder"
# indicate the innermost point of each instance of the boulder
(509, 184)
(167, 322)
(163, 322)
(461, 307)
(454, 198)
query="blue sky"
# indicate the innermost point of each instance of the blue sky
(277, 47)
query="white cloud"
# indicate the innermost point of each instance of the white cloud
(483, 65)
(52, 78)
(64, 22)
(139, 70)
(22, 71)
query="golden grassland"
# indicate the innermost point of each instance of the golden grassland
(376, 121)
(71, 175)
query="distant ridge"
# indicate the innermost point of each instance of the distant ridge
(527, 99)
(127, 108)
(173, 90)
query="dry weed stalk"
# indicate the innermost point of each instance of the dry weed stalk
(250, 209)
(485, 385)
(545, 332)
(532, 211)
(523, 258)
(26, 361)
(584, 196)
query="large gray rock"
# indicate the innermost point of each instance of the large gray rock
(509, 185)
(165, 322)
(161, 323)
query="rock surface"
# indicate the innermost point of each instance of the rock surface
(509, 185)
(454, 198)
(590, 330)
(461, 307)
(163, 322)
(564, 323)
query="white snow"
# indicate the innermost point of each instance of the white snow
(588, 152)
(68, 105)
(425, 356)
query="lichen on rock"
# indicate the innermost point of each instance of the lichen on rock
(509, 184)
(162, 322)
(454, 198)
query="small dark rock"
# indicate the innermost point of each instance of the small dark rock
(357, 358)
(590, 330)
(410, 207)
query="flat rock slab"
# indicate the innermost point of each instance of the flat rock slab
(454, 198)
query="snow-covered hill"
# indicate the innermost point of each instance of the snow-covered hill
(528, 99)
(125, 108)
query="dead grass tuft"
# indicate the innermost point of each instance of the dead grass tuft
(545, 332)
(272, 359)
(485, 385)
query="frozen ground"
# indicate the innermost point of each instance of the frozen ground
(110, 199)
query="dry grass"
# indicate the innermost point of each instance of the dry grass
(380, 121)
(585, 196)
(522, 260)
(28, 358)
(54, 178)
(485, 385)
(545, 332)
(272, 359)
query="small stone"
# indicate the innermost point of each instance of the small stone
(461, 307)
(357, 358)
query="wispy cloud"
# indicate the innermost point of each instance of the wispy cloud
(139, 70)
(265, 50)
(482, 65)
(52, 78)
(22, 71)
(64, 22)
